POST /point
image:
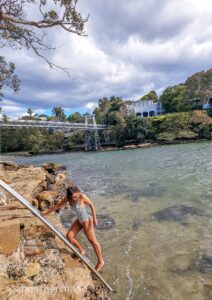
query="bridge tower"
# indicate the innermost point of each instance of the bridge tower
(92, 141)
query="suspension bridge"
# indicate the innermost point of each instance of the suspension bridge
(90, 127)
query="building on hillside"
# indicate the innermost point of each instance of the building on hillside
(145, 108)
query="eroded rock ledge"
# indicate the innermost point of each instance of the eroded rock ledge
(34, 263)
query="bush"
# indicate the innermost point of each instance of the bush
(186, 134)
(209, 112)
(166, 136)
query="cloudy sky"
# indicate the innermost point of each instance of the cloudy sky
(132, 47)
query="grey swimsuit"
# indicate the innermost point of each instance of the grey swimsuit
(81, 212)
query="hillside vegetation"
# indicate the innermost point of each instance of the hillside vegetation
(183, 120)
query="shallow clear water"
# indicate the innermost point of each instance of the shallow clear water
(148, 257)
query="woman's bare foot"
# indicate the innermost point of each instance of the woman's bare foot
(99, 265)
(82, 252)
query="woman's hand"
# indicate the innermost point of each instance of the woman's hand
(95, 222)
(43, 213)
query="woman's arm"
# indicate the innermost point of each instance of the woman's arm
(88, 201)
(55, 207)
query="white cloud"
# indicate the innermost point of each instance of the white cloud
(131, 47)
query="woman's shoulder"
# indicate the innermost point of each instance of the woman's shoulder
(81, 196)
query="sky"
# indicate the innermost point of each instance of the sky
(132, 47)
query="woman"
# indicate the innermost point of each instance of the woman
(77, 201)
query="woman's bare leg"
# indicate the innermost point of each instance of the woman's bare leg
(71, 234)
(91, 236)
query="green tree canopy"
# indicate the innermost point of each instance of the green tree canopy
(7, 76)
(58, 113)
(75, 118)
(173, 99)
(152, 95)
(18, 30)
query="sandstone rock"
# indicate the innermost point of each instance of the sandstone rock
(51, 259)
(53, 168)
(4, 179)
(32, 269)
(40, 278)
(47, 235)
(9, 236)
(10, 166)
(33, 247)
(16, 270)
(144, 145)
(47, 195)
(28, 251)
(78, 276)
(50, 179)
(129, 147)
(34, 257)
(32, 231)
(60, 177)
(40, 187)
(3, 199)
(35, 203)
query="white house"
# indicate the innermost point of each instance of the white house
(145, 108)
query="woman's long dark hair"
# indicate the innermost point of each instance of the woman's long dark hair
(70, 191)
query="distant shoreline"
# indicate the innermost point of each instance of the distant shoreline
(105, 148)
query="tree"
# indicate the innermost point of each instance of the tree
(7, 76)
(42, 117)
(18, 31)
(116, 103)
(173, 99)
(199, 86)
(5, 118)
(30, 112)
(75, 118)
(152, 95)
(59, 114)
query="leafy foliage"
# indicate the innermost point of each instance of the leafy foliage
(18, 31)
(196, 90)
(26, 139)
(173, 99)
(7, 76)
(152, 95)
(59, 114)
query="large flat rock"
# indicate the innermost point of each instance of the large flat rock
(9, 236)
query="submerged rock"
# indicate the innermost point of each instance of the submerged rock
(205, 264)
(137, 223)
(176, 213)
(105, 222)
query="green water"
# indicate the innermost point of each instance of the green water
(147, 258)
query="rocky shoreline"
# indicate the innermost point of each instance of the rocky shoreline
(146, 144)
(34, 263)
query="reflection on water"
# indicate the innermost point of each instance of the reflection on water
(160, 199)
